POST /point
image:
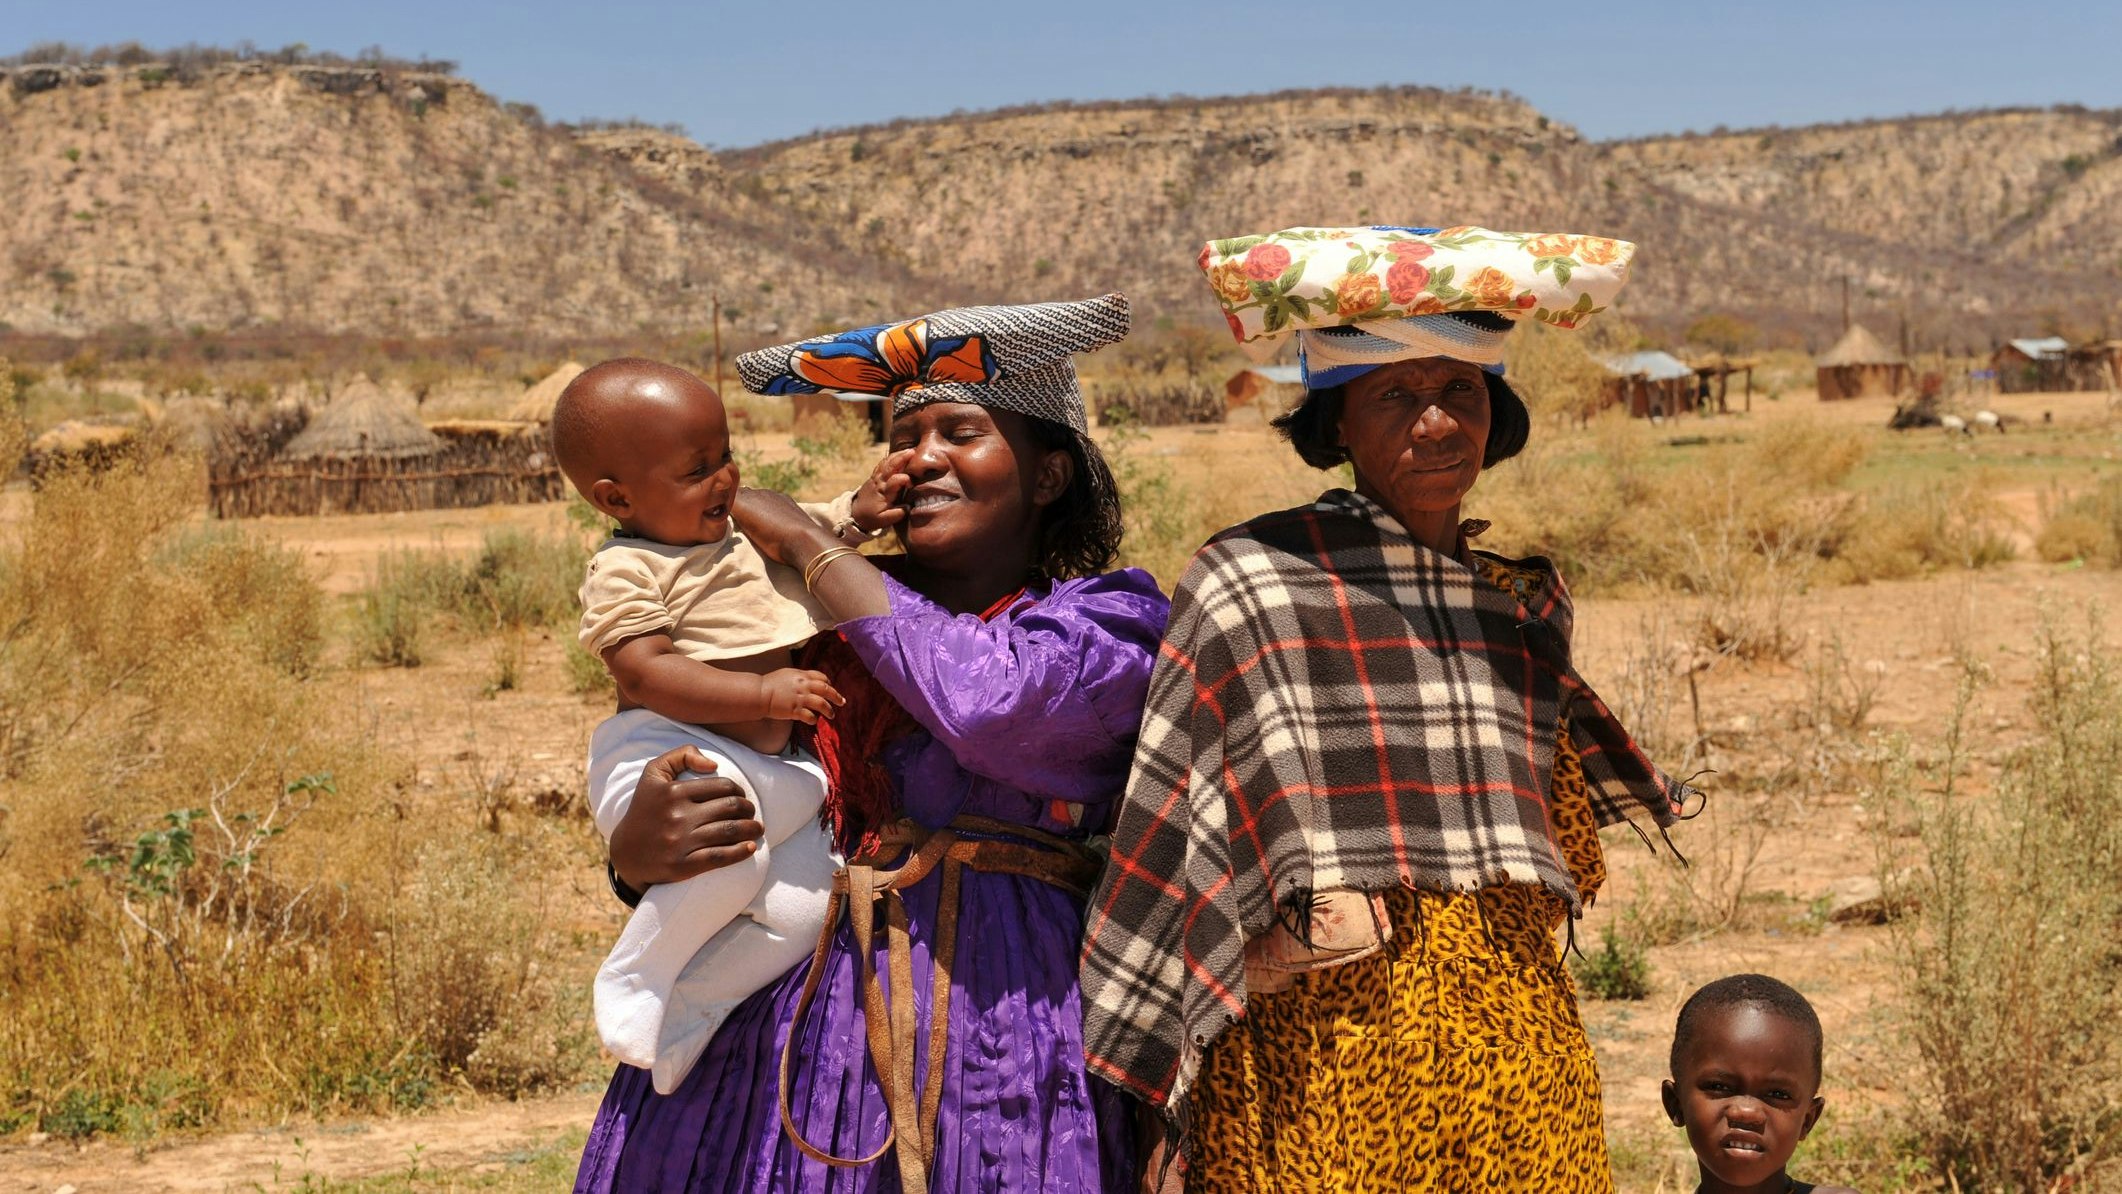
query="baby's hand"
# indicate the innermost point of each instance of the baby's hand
(876, 505)
(793, 694)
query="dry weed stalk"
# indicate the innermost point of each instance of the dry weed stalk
(2012, 999)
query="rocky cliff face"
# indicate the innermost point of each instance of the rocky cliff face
(384, 202)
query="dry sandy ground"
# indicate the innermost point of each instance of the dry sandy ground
(1905, 635)
(469, 1143)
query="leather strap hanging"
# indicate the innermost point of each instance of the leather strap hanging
(888, 1009)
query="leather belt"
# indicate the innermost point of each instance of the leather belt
(888, 1009)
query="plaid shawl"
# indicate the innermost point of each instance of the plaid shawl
(1335, 707)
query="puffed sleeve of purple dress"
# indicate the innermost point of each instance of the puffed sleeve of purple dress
(1030, 717)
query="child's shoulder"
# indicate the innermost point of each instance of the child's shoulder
(619, 546)
(1798, 1187)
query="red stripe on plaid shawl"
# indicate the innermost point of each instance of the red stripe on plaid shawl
(1370, 694)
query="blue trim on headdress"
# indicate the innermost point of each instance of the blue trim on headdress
(1341, 375)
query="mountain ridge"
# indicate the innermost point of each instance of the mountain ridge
(376, 199)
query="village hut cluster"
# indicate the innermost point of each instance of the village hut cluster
(2051, 364)
(368, 452)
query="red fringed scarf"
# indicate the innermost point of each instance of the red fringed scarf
(859, 800)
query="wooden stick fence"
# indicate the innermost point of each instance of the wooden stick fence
(481, 464)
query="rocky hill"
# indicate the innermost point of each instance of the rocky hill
(393, 202)
(361, 200)
(1959, 225)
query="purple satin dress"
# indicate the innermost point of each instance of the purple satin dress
(1040, 704)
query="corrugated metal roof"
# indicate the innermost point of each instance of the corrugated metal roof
(2047, 346)
(1286, 375)
(1657, 366)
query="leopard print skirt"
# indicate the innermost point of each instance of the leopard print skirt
(1454, 1061)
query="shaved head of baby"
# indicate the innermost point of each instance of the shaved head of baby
(648, 444)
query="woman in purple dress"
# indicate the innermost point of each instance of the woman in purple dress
(995, 680)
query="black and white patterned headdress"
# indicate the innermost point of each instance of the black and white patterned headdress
(1014, 358)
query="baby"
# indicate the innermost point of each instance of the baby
(697, 628)
(1745, 1084)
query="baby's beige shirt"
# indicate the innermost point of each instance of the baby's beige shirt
(720, 600)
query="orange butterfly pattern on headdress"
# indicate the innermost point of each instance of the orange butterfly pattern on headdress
(888, 360)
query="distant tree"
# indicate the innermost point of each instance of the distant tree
(1558, 373)
(1724, 333)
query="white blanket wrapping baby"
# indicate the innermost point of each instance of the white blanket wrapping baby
(696, 949)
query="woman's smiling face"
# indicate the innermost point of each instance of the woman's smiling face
(980, 482)
(1415, 432)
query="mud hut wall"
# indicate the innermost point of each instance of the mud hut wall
(1841, 382)
(475, 468)
(1644, 398)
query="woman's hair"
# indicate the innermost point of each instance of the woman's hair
(1080, 534)
(1311, 427)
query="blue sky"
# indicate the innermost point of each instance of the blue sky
(739, 74)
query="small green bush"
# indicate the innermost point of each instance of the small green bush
(391, 615)
(1618, 969)
(521, 579)
(586, 674)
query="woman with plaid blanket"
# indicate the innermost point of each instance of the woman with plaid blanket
(1369, 781)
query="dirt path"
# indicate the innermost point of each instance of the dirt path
(478, 1141)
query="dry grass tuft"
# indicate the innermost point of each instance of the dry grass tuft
(2087, 527)
(219, 900)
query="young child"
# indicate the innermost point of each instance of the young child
(697, 628)
(1745, 1084)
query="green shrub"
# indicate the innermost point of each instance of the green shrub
(842, 436)
(392, 613)
(522, 579)
(586, 674)
(792, 476)
(1618, 969)
(1164, 527)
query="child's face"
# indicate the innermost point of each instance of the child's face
(1745, 1090)
(681, 476)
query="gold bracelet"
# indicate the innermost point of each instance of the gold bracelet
(824, 560)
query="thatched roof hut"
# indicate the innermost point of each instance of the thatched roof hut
(536, 405)
(1858, 366)
(364, 423)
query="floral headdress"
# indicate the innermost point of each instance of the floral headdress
(1392, 293)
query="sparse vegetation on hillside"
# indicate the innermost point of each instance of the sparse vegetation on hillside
(195, 219)
(187, 59)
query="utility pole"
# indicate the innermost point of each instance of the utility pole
(1845, 304)
(716, 301)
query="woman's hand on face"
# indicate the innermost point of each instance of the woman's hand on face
(779, 527)
(877, 504)
(677, 828)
